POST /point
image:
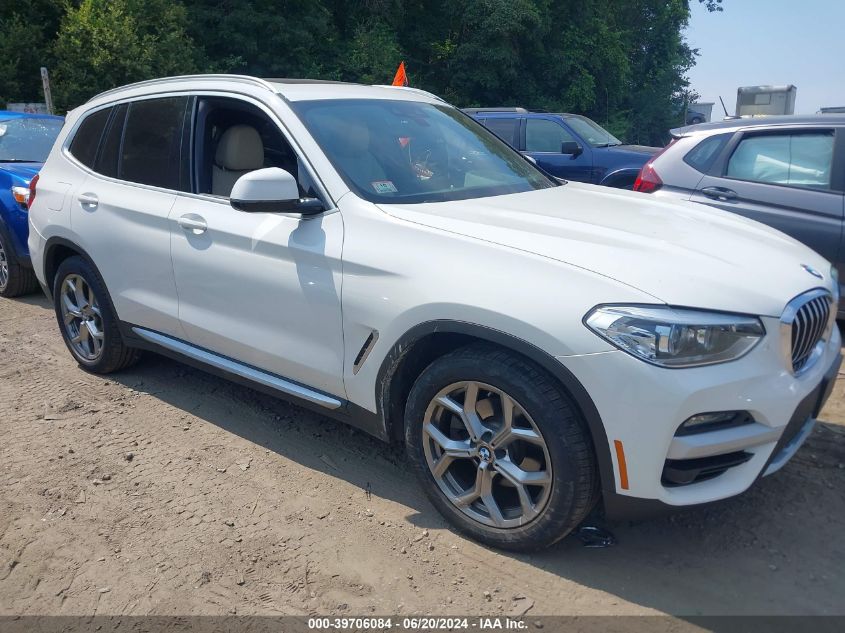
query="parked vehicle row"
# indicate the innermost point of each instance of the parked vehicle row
(567, 146)
(787, 172)
(25, 141)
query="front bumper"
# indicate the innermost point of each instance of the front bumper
(642, 406)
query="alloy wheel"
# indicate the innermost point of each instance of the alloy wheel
(4, 267)
(487, 455)
(81, 317)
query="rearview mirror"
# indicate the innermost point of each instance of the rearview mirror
(271, 190)
(571, 147)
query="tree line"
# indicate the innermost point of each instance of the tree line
(621, 62)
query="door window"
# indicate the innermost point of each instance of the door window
(152, 143)
(702, 156)
(545, 135)
(233, 138)
(505, 129)
(793, 159)
(87, 138)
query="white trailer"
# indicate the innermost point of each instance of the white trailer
(763, 100)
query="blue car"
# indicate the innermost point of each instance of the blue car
(25, 141)
(568, 146)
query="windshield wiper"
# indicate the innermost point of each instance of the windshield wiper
(608, 144)
(18, 160)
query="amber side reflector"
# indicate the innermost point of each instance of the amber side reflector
(623, 467)
(21, 195)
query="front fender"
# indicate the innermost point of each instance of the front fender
(619, 174)
(579, 396)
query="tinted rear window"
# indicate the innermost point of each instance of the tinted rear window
(702, 156)
(87, 139)
(505, 129)
(107, 161)
(152, 142)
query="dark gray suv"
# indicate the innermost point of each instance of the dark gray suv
(785, 171)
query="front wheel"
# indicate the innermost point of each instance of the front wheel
(499, 449)
(88, 324)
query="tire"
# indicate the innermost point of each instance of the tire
(87, 320)
(15, 280)
(560, 475)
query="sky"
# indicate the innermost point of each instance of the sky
(755, 42)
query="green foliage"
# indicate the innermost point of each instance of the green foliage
(19, 73)
(267, 38)
(621, 62)
(373, 52)
(106, 43)
(25, 46)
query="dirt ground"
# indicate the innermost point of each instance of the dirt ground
(164, 490)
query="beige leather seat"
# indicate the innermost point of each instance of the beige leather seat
(350, 140)
(239, 151)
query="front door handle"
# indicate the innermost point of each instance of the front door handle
(194, 223)
(88, 201)
(719, 193)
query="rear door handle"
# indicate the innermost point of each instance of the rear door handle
(89, 201)
(194, 223)
(719, 193)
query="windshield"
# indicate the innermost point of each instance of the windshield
(412, 152)
(592, 132)
(27, 140)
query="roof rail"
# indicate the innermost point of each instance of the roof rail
(301, 80)
(150, 82)
(495, 109)
(410, 89)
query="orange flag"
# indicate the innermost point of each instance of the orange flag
(401, 79)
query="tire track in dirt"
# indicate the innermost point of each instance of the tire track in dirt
(166, 490)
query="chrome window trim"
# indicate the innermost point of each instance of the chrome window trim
(228, 94)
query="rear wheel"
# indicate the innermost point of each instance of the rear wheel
(499, 449)
(88, 324)
(15, 280)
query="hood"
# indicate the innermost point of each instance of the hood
(682, 254)
(636, 149)
(21, 171)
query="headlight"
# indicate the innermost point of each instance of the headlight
(676, 337)
(834, 278)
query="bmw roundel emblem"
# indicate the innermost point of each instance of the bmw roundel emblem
(812, 271)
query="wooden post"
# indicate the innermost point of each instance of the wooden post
(48, 96)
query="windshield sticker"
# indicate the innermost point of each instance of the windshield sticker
(384, 186)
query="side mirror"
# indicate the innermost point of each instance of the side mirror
(571, 147)
(271, 190)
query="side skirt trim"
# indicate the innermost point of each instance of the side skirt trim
(239, 369)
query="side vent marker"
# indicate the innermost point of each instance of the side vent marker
(365, 351)
(623, 467)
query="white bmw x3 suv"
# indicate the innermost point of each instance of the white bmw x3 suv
(376, 255)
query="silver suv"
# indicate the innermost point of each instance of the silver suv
(785, 171)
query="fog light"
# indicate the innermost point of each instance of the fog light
(704, 422)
